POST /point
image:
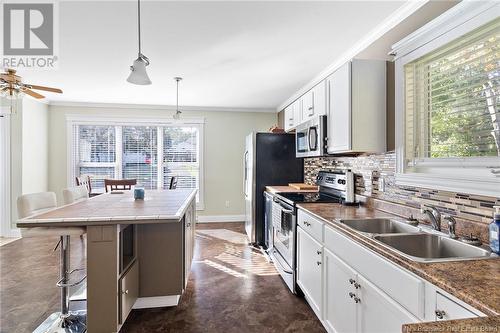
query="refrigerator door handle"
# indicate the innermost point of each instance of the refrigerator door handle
(245, 180)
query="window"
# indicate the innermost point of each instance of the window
(151, 154)
(447, 98)
(452, 97)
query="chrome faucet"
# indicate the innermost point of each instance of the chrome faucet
(433, 214)
(452, 224)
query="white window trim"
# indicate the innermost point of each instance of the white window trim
(459, 20)
(81, 119)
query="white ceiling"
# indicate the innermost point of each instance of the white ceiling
(230, 53)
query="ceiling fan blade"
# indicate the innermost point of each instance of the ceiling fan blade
(32, 86)
(33, 94)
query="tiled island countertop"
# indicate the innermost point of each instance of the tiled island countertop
(473, 281)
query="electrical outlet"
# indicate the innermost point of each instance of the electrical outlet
(227, 203)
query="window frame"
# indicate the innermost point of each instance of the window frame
(456, 22)
(73, 120)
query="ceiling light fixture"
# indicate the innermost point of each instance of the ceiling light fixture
(139, 74)
(177, 114)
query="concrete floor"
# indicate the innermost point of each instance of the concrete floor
(232, 288)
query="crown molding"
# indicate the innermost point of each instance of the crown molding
(160, 107)
(394, 19)
(457, 15)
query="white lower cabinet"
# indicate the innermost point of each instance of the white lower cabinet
(309, 269)
(353, 290)
(353, 304)
(377, 312)
(340, 307)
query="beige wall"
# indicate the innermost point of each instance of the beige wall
(224, 140)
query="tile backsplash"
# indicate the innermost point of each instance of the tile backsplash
(473, 213)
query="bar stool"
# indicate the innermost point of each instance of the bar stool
(75, 194)
(65, 320)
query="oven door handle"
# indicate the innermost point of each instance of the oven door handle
(287, 211)
(278, 260)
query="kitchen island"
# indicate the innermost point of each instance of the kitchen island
(139, 252)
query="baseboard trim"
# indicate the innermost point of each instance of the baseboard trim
(12, 233)
(156, 302)
(220, 218)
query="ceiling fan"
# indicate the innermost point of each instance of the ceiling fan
(12, 87)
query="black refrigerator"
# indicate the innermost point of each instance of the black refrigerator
(269, 160)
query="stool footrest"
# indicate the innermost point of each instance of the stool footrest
(61, 283)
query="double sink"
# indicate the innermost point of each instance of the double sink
(415, 243)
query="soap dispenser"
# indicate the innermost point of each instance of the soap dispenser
(495, 231)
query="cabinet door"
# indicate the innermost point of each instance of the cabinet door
(319, 99)
(289, 117)
(377, 312)
(129, 290)
(339, 106)
(339, 306)
(188, 244)
(309, 269)
(297, 112)
(446, 309)
(308, 105)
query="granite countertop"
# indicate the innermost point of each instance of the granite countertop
(473, 281)
(286, 189)
(158, 206)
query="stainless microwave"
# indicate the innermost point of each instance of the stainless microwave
(310, 138)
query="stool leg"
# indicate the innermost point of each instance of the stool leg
(64, 321)
(64, 269)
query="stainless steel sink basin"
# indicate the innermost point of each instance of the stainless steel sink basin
(380, 226)
(425, 247)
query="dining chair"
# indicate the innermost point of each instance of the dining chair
(173, 183)
(85, 180)
(75, 194)
(119, 184)
(37, 203)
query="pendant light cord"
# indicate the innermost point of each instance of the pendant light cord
(139, 24)
(177, 108)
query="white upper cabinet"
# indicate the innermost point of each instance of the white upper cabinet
(314, 102)
(293, 115)
(357, 107)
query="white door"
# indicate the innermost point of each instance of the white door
(308, 105)
(5, 204)
(377, 312)
(339, 306)
(339, 118)
(309, 269)
(319, 98)
(289, 117)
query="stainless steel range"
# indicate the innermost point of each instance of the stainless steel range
(334, 187)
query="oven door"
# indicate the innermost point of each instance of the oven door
(284, 221)
(302, 141)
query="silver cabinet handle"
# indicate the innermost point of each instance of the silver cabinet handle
(307, 223)
(352, 281)
(318, 252)
(351, 294)
(357, 285)
(440, 314)
(318, 263)
(125, 292)
(357, 300)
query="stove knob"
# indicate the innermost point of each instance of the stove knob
(339, 181)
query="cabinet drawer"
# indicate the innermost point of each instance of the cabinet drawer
(449, 310)
(129, 290)
(311, 225)
(400, 285)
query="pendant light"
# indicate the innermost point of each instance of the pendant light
(177, 114)
(139, 74)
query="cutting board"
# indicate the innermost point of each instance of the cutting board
(302, 186)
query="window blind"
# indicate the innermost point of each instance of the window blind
(451, 99)
(140, 155)
(95, 153)
(181, 156)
